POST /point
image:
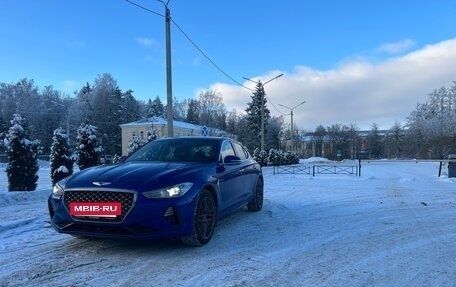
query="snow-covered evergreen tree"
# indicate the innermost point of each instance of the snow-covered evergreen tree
(60, 157)
(130, 108)
(116, 158)
(3, 130)
(88, 148)
(254, 111)
(134, 144)
(261, 157)
(290, 157)
(151, 136)
(22, 153)
(155, 108)
(275, 157)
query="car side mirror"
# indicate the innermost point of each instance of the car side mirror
(231, 160)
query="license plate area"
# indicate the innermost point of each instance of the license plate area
(96, 210)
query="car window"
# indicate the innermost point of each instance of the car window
(203, 153)
(193, 151)
(239, 151)
(227, 149)
(150, 152)
(180, 150)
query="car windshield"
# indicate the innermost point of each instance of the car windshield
(178, 150)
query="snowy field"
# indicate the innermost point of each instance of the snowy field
(394, 226)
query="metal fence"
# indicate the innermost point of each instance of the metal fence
(292, 169)
(318, 169)
(350, 169)
(337, 169)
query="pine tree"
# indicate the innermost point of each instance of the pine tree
(22, 157)
(60, 158)
(254, 111)
(130, 108)
(193, 112)
(275, 157)
(134, 144)
(261, 157)
(155, 108)
(88, 149)
(3, 130)
(290, 157)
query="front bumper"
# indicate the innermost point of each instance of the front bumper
(147, 219)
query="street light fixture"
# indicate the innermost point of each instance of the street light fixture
(261, 85)
(291, 113)
(169, 84)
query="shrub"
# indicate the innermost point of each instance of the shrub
(22, 153)
(88, 149)
(60, 157)
(261, 157)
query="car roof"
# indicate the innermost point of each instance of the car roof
(198, 137)
(208, 138)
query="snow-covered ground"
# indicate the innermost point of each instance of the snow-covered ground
(393, 226)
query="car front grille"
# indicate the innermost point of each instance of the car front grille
(126, 198)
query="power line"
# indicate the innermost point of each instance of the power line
(207, 57)
(202, 53)
(275, 106)
(194, 44)
(144, 8)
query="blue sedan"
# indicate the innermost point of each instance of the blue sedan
(169, 188)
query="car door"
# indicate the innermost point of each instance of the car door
(230, 183)
(248, 172)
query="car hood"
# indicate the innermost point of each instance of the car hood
(132, 175)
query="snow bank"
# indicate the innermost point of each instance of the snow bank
(21, 197)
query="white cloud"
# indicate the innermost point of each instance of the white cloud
(357, 91)
(146, 42)
(397, 47)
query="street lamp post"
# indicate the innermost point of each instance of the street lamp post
(291, 113)
(169, 83)
(262, 104)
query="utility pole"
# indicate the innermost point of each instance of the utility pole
(291, 113)
(169, 82)
(261, 86)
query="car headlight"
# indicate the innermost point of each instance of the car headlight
(57, 189)
(168, 192)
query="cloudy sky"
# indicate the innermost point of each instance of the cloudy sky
(353, 62)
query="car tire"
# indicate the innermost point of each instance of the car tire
(257, 202)
(204, 220)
